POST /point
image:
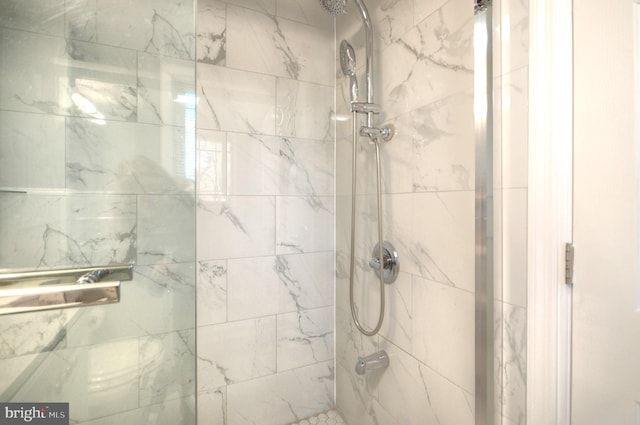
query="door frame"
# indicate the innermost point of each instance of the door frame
(549, 209)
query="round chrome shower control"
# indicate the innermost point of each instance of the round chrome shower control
(390, 259)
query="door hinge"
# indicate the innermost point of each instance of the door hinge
(569, 258)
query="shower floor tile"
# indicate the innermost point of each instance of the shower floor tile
(332, 417)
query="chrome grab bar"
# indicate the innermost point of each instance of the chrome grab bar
(23, 292)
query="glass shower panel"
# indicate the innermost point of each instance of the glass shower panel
(97, 168)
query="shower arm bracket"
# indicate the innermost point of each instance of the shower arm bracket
(365, 107)
(382, 134)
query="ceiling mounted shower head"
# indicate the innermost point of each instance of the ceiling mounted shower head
(334, 7)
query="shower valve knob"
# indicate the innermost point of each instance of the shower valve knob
(390, 259)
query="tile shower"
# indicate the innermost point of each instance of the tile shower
(241, 192)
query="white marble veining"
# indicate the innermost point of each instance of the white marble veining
(35, 82)
(212, 407)
(32, 16)
(234, 100)
(68, 231)
(264, 6)
(443, 157)
(166, 90)
(166, 228)
(415, 394)
(103, 379)
(16, 339)
(211, 297)
(398, 320)
(245, 224)
(302, 223)
(125, 158)
(305, 338)
(393, 18)
(252, 165)
(167, 367)
(356, 404)
(443, 331)
(212, 172)
(306, 12)
(282, 398)
(439, 247)
(350, 343)
(212, 32)
(79, 79)
(236, 352)
(253, 287)
(100, 158)
(431, 61)
(514, 370)
(32, 152)
(81, 19)
(306, 281)
(267, 44)
(424, 9)
(169, 294)
(248, 164)
(265, 209)
(154, 27)
(305, 167)
(304, 110)
(102, 81)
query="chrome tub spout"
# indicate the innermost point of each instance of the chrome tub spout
(379, 360)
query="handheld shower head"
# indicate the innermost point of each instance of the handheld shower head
(348, 65)
(347, 59)
(334, 7)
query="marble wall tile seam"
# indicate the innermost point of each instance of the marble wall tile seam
(420, 362)
(77, 193)
(435, 11)
(79, 346)
(264, 74)
(439, 283)
(262, 377)
(277, 13)
(106, 120)
(96, 43)
(257, 135)
(389, 116)
(251, 319)
(274, 256)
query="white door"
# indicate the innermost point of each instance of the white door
(606, 294)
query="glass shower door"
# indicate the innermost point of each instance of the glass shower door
(97, 168)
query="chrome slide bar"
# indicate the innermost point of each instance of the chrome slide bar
(23, 292)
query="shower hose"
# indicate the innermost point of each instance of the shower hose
(354, 312)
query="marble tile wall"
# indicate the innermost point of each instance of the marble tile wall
(510, 49)
(97, 166)
(265, 211)
(424, 62)
(424, 82)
